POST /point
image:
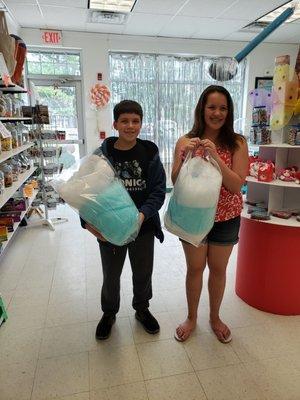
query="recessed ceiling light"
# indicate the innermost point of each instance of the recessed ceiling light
(275, 13)
(112, 5)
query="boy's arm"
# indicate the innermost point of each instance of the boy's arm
(157, 195)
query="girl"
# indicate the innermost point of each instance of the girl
(213, 133)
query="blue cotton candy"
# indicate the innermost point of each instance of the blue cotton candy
(192, 220)
(113, 214)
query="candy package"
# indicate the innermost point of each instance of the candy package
(192, 206)
(101, 200)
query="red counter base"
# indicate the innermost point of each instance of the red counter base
(268, 267)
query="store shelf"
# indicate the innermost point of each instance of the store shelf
(11, 88)
(9, 192)
(292, 222)
(15, 119)
(5, 155)
(280, 145)
(16, 224)
(67, 141)
(276, 182)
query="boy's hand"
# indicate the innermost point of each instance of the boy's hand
(98, 235)
(141, 218)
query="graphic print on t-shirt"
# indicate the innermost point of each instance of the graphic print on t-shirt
(131, 174)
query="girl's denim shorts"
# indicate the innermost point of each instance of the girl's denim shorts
(223, 233)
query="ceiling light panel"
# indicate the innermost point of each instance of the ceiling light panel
(112, 5)
(275, 13)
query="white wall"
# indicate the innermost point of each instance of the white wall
(95, 48)
(12, 25)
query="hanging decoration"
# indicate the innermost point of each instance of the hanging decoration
(99, 96)
(286, 87)
(225, 68)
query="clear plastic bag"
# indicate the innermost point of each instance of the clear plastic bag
(101, 200)
(192, 207)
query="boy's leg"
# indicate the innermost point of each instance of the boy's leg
(141, 259)
(112, 258)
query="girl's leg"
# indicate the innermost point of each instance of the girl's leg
(218, 257)
(196, 262)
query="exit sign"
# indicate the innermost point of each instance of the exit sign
(52, 37)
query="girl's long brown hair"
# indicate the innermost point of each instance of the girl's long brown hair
(227, 137)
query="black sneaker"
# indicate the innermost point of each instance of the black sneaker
(149, 323)
(104, 327)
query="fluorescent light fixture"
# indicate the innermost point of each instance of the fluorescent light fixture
(106, 17)
(274, 13)
(112, 5)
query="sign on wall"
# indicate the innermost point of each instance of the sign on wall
(51, 37)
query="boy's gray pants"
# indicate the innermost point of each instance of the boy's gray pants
(140, 253)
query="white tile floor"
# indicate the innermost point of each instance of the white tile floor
(51, 283)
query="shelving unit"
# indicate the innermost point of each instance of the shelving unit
(268, 272)
(15, 119)
(50, 222)
(275, 182)
(274, 220)
(16, 224)
(11, 88)
(9, 192)
(6, 155)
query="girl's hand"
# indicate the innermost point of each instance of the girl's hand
(192, 145)
(210, 147)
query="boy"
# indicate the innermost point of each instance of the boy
(138, 164)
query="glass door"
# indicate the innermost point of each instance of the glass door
(64, 101)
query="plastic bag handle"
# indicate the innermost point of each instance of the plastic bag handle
(208, 158)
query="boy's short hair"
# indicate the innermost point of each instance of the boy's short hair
(127, 107)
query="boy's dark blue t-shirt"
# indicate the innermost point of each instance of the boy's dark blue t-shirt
(132, 167)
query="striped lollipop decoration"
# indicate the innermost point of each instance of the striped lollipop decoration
(99, 96)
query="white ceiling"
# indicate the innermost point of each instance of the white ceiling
(201, 19)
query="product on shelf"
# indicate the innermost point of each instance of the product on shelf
(49, 152)
(265, 172)
(15, 215)
(257, 208)
(3, 314)
(61, 135)
(2, 106)
(281, 214)
(15, 204)
(260, 215)
(3, 233)
(288, 174)
(50, 169)
(28, 190)
(2, 184)
(8, 222)
(6, 144)
(260, 116)
(8, 175)
(294, 135)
